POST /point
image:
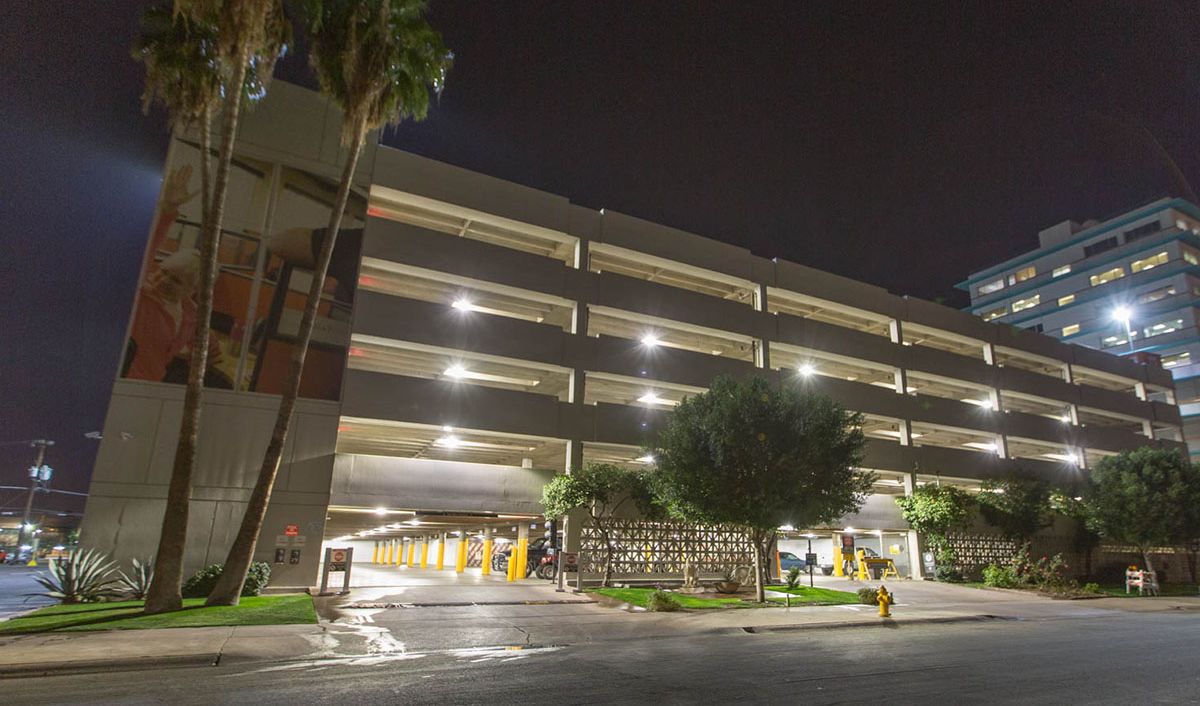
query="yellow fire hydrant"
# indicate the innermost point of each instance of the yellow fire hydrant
(885, 602)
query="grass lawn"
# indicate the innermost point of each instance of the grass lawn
(803, 595)
(640, 596)
(1167, 589)
(126, 615)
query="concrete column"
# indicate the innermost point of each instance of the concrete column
(460, 565)
(486, 559)
(1068, 375)
(1073, 413)
(896, 331)
(914, 540)
(1139, 389)
(1147, 429)
(574, 457)
(441, 553)
(1002, 446)
(989, 354)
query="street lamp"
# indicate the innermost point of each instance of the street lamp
(1124, 315)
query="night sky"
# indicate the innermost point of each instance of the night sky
(902, 144)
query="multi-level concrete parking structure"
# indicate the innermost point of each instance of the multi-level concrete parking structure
(498, 335)
(1126, 286)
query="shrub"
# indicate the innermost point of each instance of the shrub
(1001, 576)
(82, 576)
(136, 584)
(868, 595)
(1092, 588)
(202, 582)
(662, 602)
(793, 577)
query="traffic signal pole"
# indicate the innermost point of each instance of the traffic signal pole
(34, 480)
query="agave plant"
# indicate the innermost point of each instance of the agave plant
(136, 583)
(83, 576)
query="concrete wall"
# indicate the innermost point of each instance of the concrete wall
(128, 493)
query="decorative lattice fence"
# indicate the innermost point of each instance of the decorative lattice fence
(646, 547)
(975, 551)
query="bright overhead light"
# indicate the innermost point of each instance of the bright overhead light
(1065, 419)
(807, 370)
(414, 521)
(447, 428)
(450, 442)
(1122, 314)
(381, 511)
(986, 404)
(648, 458)
(983, 446)
(787, 528)
(455, 371)
(651, 340)
(650, 398)
(463, 304)
(849, 530)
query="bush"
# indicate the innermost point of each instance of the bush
(793, 577)
(949, 574)
(202, 582)
(136, 584)
(868, 595)
(1092, 588)
(82, 576)
(1001, 576)
(662, 602)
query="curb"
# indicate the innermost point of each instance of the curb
(21, 671)
(368, 605)
(879, 623)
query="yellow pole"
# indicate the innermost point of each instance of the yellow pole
(778, 565)
(375, 554)
(487, 555)
(524, 560)
(424, 552)
(441, 555)
(838, 561)
(862, 565)
(412, 550)
(512, 563)
(399, 552)
(387, 558)
(461, 565)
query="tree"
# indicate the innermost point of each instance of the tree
(1018, 507)
(601, 489)
(757, 456)
(1189, 530)
(934, 511)
(1084, 539)
(378, 60)
(1140, 497)
(193, 53)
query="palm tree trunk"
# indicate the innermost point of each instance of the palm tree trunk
(228, 589)
(164, 593)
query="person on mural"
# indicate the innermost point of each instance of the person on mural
(165, 317)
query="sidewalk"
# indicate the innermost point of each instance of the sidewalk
(396, 626)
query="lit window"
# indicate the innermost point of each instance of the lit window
(1181, 225)
(1022, 274)
(1063, 301)
(1189, 255)
(1148, 263)
(1176, 360)
(1155, 295)
(993, 286)
(994, 313)
(1070, 330)
(1060, 271)
(1115, 340)
(1161, 327)
(1104, 277)
(1026, 303)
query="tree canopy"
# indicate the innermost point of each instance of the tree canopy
(1018, 507)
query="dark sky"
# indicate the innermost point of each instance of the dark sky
(905, 144)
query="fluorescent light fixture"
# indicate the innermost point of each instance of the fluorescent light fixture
(986, 404)
(651, 398)
(447, 428)
(1122, 314)
(463, 304)
(455, 371)
(651, 340)
(849, 530)
(983, 446)
(460, 372)
(1065, 419)
(414, 521)
(449, 441)
(648, 458)
(381, 511)
(807, 370)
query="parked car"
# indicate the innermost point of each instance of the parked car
(827, 569)
(787, 560)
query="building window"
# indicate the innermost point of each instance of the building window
(993, 286)
(1097, 248)
(1141, 232)
(1189, 256)
(1148, 263)
(1036, 328)
(1026, 303)
(1115, 340)
(1022, 275)
(1105, 277)
(1155, 295)
(1161, 327)
(1063, 301)
(1176, 359)
(995, 313)
(1060, 271)
(1070, 330)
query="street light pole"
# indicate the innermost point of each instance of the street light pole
(34, 480)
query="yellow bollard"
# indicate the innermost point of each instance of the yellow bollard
(441, 555)
(424, 553)
(512, 563)
(885, 601)
(375, 554)
(387, 554)
(778, 565)
(522, 566)
(461, 565)
(838, 562)
(399, 553)
(412, 550)
(862, 565)
(487, 556)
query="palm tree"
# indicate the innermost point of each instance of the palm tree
(378, 59)
(216, 52)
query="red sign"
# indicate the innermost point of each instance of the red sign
(291, 530)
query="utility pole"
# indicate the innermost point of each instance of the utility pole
(35, 479)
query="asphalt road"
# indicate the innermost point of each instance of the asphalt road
(16, 583)
(1129, 658)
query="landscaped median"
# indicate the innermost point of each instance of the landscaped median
(282, 609)
(800, 595)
